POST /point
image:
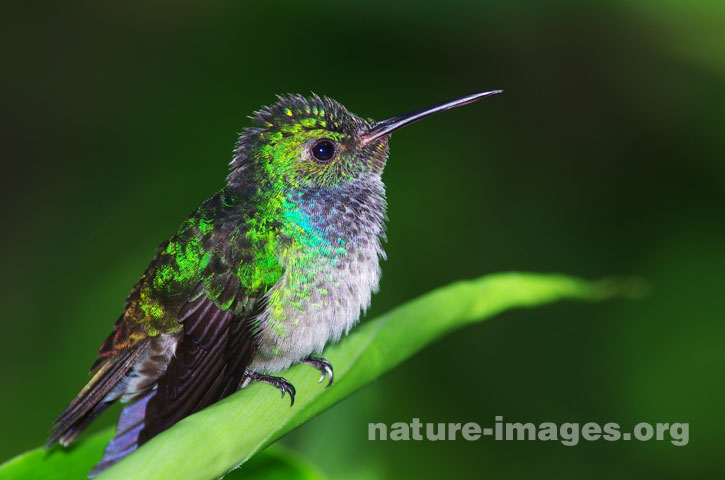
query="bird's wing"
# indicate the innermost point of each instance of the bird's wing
(210, 358)
(185, 337)
(118, 354)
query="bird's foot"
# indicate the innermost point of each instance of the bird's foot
(322, 365)
(279, 382)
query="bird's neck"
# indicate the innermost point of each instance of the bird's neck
(335, 217)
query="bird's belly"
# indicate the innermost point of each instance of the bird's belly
(314, 303)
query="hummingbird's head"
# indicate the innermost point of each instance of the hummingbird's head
(316, 142)
(310, 142)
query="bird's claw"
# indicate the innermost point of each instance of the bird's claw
(322, 365)
(281, 383)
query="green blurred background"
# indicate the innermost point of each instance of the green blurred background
(605, 155)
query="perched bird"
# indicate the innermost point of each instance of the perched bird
(260, 277)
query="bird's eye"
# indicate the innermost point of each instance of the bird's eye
(323, 151)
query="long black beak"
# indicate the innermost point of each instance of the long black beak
(388, 126)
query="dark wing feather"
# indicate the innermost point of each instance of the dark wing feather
(210, 359)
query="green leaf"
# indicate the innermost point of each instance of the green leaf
(58, 463)
(227, 434)
(274, 463)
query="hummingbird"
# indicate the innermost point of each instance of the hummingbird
(278, 263)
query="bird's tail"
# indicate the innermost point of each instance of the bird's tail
(129, 426)
(95, 397)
